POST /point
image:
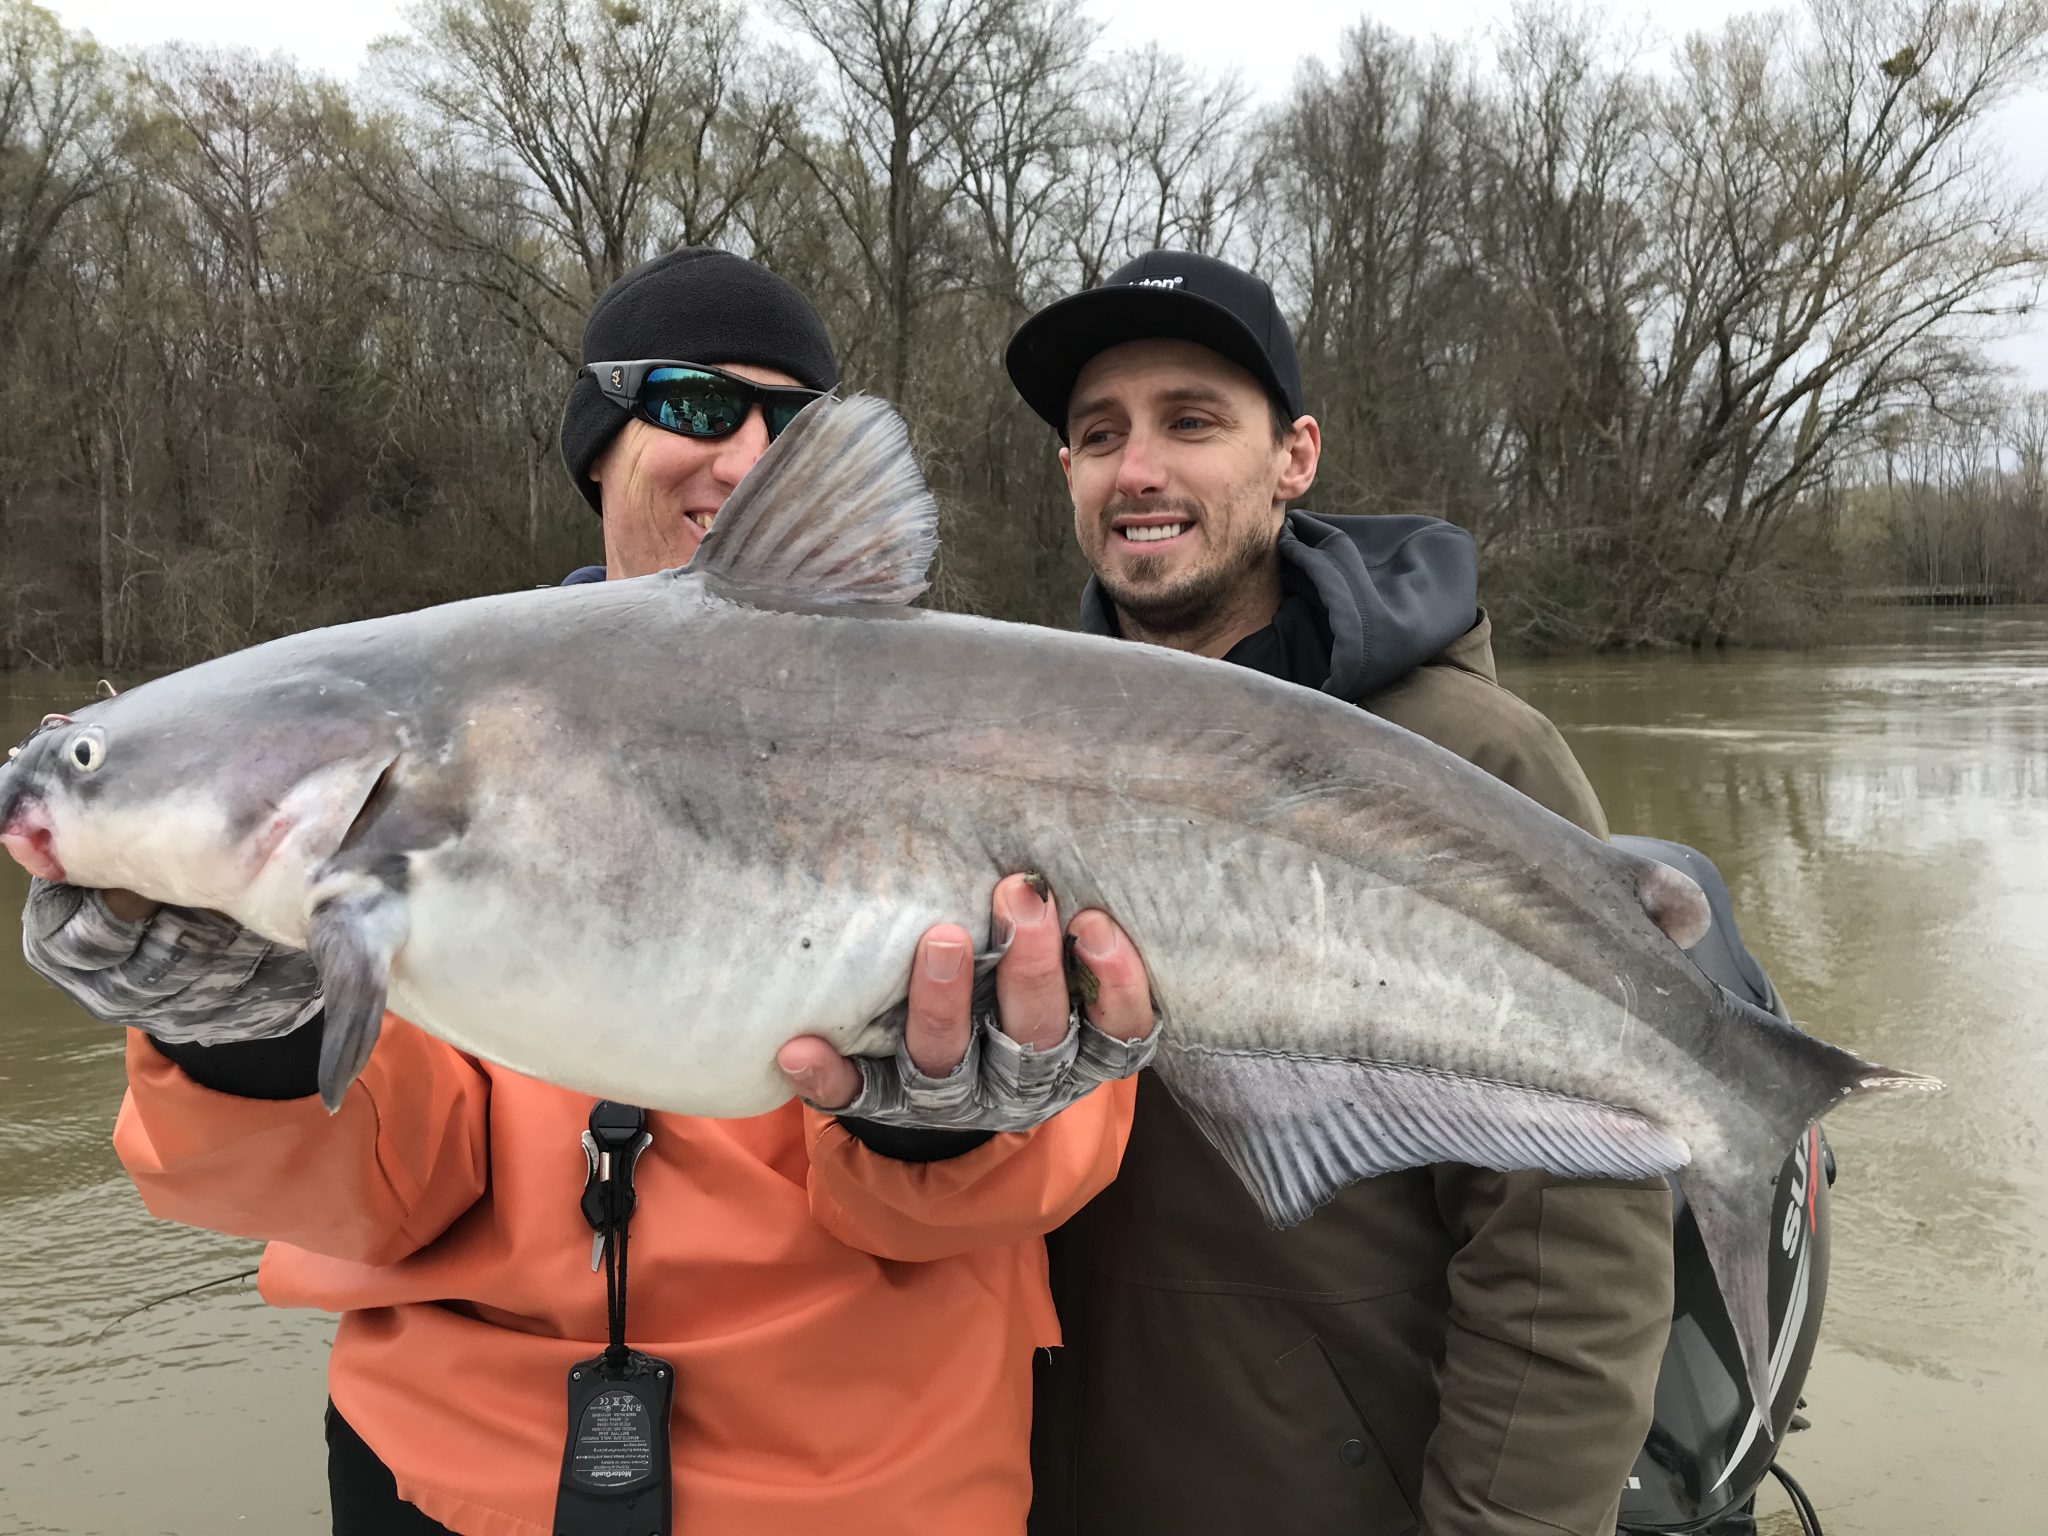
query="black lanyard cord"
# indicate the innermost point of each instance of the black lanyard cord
(615, 1277)
(612, 1146)
(616, 1457)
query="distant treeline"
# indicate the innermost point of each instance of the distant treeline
(1690, 341)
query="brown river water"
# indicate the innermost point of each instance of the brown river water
(1880, 810)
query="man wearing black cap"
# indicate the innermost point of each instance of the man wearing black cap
(672, 442)
(1445, 1350)
(844, 1313)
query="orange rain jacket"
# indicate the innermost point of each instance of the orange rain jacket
(852, 1335)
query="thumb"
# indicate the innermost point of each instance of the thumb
(819, 1073)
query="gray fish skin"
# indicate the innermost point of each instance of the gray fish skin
(632, 839)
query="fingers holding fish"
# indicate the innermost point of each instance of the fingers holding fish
(1045, 984)
(1116, 996)
(1031, 998)
(1031, 978)
(820, 1075)
(939, 1024)
(996, 1041)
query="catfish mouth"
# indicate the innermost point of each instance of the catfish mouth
(26, 829)
(28, 838)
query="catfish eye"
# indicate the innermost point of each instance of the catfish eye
(88, 750)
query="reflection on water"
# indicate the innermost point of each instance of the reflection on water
(1880, 810)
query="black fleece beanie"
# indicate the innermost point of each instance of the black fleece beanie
(693, 306)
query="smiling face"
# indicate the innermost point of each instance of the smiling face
(661, 490)
(1179, 488)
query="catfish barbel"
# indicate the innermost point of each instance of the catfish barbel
(562, 830)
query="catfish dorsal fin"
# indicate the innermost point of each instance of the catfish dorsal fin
(835, 512)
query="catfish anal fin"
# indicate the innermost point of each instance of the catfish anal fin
(1299, 1128)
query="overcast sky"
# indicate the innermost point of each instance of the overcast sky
(333, 38)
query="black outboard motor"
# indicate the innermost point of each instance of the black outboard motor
(1707, 1452)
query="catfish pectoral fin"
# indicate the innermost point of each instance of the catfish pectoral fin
(353, 936)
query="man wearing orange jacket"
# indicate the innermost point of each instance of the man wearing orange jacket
(849, 1310)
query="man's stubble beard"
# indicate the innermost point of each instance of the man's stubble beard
(1192, 604)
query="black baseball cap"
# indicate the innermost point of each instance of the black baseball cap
(1162, 293)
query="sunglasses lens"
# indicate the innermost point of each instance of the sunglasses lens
(694, 404)
(779, 414)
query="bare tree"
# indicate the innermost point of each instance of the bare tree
(57, 136)
(1015, 131)
(58, 151)
(554, 144)
(1373, 175)
(1832, 246)
(905, 69)
(1167, 162)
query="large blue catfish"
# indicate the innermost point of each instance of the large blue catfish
(632, 839)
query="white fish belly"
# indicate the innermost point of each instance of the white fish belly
(674, 1006)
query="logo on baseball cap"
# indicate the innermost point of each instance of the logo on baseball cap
(1166, 294)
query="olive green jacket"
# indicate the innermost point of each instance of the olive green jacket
(1444, 1350)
